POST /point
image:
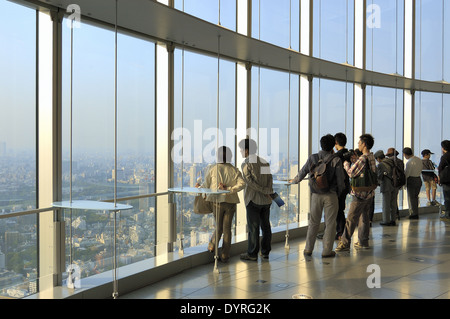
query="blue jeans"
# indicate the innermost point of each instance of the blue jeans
(258, 216)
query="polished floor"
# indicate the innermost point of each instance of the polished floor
(407, 261)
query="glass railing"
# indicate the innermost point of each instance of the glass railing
(89, 241)
(19, 254)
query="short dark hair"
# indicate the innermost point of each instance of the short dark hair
(445, 144)
(368, 140)
(407, 151)
(248, 144)
(341, 139)
(224, 155)
(327, 142)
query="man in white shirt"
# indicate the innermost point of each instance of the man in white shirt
(413, 171)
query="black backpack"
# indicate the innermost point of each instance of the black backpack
(398, 173)
(318, 179)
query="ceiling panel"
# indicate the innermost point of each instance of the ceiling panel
(150, 18)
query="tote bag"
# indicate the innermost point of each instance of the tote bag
(202, 206)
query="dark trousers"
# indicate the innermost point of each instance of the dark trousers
(258, 217)
(358, 216)
(340, 218)
(413, 186)
(446, 191)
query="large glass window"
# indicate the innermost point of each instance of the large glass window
(17, 107)
(93, 142)
(333, 30)
(384, 120)
(18, 236)
(384, 117)
(384, 41)
(277, 22)
(432, 32)
(210, 11)
(429, 130)
(204, 118)
(332, 111)
(274, 124)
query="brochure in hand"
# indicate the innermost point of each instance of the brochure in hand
(277, 199)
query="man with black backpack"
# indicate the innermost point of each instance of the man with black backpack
(387, 188)
(326, 181)
(398, 171)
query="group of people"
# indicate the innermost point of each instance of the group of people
(257, 182)
(342, 167)
(391, 174)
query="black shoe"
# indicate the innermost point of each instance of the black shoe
(246, 256)
(385, 224)
(307, 253)
(414, 217)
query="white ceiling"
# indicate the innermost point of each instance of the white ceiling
(160, 22)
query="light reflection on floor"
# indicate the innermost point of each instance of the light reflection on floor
(413, 259)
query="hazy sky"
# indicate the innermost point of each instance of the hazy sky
(94, 72)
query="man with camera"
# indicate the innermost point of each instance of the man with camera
(361, 199)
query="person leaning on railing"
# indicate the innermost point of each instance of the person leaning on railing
(224, 176)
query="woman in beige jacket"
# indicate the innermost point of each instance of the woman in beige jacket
(224, 176)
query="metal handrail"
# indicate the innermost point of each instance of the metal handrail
(47, 209)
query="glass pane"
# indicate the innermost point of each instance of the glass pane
(429, 39)
(384, 42)
(429, 132)
(276, 22)
(203, 129)
(332, 111)
(384, 120)
(276, 133)
(93, 174)
(18, 257)
(18, 244)
(333, 30)
(93, 113)
(209, 10)
(17, 107)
